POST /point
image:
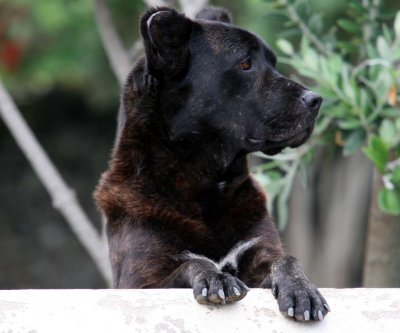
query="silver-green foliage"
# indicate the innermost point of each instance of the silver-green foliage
(358, 76)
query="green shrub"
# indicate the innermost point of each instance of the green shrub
(355, 66)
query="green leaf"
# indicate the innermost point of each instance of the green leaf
(349, 124)
(377, 152)
(387, 132)
(348, 86)
(382, 85)
(322, 125)
(335, 63)
(273, 176)
(356, 6)
(335, 110)
(383, 48)
(290, 33)
(327, 93)
(348, 26)
(364, 101)
(311, 59)
(389, 201)
(285, 46)
(387, 32)
(354, 142)
(315, 23)
(272, 182)
(395, 177)
(327, 74)
(372, 52)
(396, 25)
(304, 168)
(306, 72)
(304, 45)
(391, 112)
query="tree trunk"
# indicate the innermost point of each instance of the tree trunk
(328, 220)
(382, 260)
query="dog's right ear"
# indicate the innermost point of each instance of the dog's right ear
(166, 35)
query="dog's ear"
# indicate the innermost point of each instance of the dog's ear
(166, 35)
(214, 14)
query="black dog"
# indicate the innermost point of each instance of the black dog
(182, 209)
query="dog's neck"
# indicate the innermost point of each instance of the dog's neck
(190, 170)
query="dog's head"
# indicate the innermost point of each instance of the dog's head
(217, 81)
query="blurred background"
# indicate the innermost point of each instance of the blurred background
(336, 201)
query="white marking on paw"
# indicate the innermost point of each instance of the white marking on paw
(236, 252)
(231, 258)
(190, 255)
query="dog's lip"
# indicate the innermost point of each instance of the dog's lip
(268, 141)
(292, 141)
(256, 141)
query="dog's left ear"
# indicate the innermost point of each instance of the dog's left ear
(166, 35)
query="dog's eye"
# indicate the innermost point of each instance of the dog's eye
(245, 65)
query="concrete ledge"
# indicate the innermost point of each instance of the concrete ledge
(174, 310)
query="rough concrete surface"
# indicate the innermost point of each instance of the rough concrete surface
(175, 310)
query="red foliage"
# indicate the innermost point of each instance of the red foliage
(10, 54)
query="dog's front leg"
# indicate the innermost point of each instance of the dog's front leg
(296, 294)
(210, 285)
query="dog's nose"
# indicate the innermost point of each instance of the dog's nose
(311, 100)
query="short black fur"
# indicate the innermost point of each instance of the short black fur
(178, 195)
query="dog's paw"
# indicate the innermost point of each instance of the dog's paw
(218, 288)
(300, 301)
(297, 297)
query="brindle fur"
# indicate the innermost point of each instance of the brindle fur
(178, 179)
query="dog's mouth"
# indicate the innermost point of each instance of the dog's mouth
(272, 147)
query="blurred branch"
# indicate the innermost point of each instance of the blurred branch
(295, 17)
(158, 3)
(189, 7)
(136, 50)
(192, 7)
(63, 198)
(116, 52)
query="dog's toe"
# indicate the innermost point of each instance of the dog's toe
(318, 304)
(219, 288)
(216, 291)
(200, 292)
(235, 289)
(302, 305)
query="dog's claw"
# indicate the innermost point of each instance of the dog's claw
(307, 315)
(320, 315)
(221, 294)
(204, 292)
(236, 291)
(290, 312)
(327, 308)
